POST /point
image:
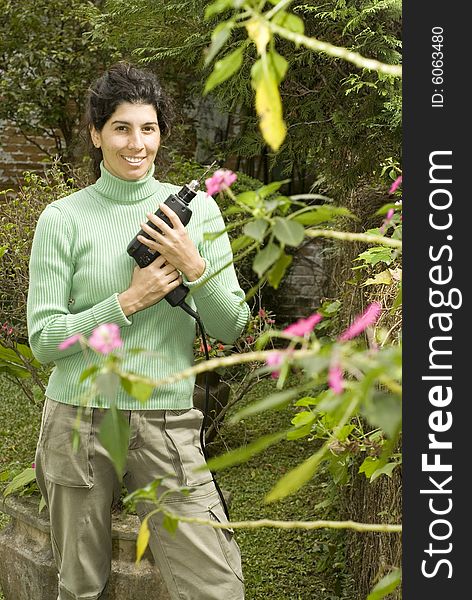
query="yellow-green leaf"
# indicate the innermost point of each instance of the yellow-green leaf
(143, 540)
(269, 110)
(382, 278)
(259, 34)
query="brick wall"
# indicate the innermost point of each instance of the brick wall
(302, 289)
(18, 155)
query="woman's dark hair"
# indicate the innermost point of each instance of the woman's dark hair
(123, 82)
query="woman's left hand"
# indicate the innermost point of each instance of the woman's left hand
(174, 244)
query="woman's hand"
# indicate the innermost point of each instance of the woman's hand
(174, 243)
(149, 285)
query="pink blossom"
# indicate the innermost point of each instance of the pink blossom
(335, 378)
(367, 318)
(262, 313)
(33, 465)
(395, 185)
(274, 360)
(106, 338)
(70, 341)
(219, 181)
(303, 326)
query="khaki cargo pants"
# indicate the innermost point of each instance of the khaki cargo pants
(197, 563)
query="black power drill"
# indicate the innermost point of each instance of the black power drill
(144, 256)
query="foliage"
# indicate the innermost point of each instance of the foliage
(341, 120)
(19, 212)
(45, 61)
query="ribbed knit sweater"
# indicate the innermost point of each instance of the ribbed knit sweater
(79, 266)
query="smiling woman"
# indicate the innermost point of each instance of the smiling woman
(81, 279)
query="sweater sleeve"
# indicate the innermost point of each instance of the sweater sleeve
(51, 269)
(217, 294)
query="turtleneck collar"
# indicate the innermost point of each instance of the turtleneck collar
(124, 190)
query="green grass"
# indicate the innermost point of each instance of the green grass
(277, 564)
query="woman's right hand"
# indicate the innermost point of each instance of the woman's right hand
(149, 285)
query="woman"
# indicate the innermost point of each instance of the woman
(81, 277)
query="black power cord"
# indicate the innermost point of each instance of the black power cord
(206, 410)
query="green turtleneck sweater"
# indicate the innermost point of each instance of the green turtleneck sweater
(79, 266)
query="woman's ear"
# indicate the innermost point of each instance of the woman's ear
(95, 137)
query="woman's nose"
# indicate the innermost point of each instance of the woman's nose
(135, 141)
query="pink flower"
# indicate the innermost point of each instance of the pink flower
(106, 338)
(274, 360)
(33, 465)
(335, 378)
(367, 318)
(219, 181)
(262, 313)
(250, 339)
(70, 341)
(395, 185)
(303, 326)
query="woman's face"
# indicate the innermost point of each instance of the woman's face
(129, 140)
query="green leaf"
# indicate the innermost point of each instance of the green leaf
(369, 466)
(266, 257)
(114, 435)
(277, 400)
(20, 481)
(376, 254)
(248, 198)
(296, 478)
(243, 241)
(218, 38)
(271, 188)
(86, 373)
(141, 390)
(314, 215)
(276, 69)
(217, 7)
(224, 69)
(386, 585)
(256, 229)
(288, 231)
(384, 411)
(170, 524)
(289, 21)
(277, 272)
(307, 401)
(241, 455)
(142, 540)
(387, 470)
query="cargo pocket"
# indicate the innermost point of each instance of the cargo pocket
(182, 434)
(61, 463)
(226, 539)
